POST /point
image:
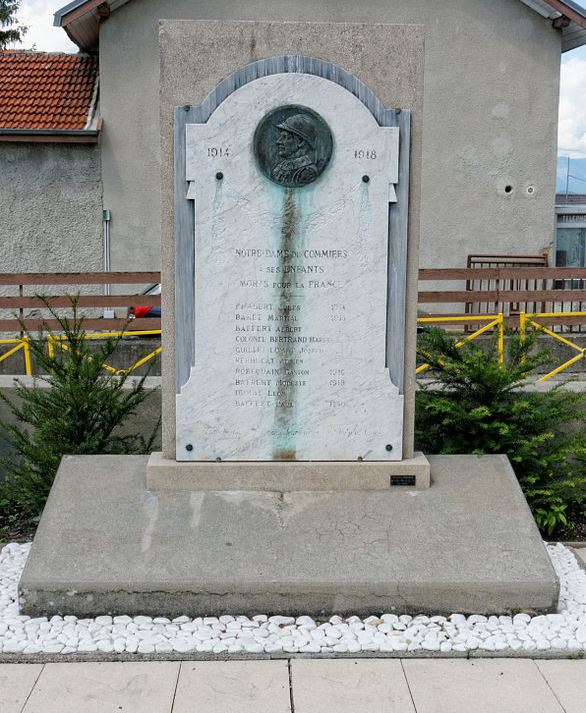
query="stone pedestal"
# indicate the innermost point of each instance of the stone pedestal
(164, 474)
(106, 544)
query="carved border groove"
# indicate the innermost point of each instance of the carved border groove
(185, 215)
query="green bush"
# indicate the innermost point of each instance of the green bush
(473, 405)
(75, 407)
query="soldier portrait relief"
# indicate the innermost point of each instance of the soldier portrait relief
(293, 146)
(296, 148)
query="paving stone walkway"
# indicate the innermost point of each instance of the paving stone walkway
(297, 686)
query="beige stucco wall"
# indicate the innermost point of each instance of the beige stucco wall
(490, 118)
(50, 213)
(50, 207)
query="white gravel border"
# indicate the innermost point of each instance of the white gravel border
(262, 634)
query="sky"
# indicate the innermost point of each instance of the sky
(38, 16)
(572, 117)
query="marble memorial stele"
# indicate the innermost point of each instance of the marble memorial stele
(285, 224)
(290, 179)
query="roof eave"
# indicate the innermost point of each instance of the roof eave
(567, 16)
(573, 37)
(81, 19)
(58, 137)
(54, 136)
(91, 47)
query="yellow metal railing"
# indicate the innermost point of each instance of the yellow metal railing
(56, 342)
(493, 321)
(526, 321)
(529, 320)
(21, 343)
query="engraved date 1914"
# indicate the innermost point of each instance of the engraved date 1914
(218, 151)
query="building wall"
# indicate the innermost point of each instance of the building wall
(489, 118)
(50, 207)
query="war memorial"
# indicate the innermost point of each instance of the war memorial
(287, 482)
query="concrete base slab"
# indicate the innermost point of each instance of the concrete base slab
(164, 474)
(105, 544)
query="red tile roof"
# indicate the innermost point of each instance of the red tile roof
(39, 90)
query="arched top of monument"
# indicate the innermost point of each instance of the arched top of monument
(296, 64)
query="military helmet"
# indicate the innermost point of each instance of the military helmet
(301, 125)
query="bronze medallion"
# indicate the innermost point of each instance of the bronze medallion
(293, 145)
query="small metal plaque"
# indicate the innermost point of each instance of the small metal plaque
(293, 145)
(409, 480)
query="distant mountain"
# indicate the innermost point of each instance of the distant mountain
(576, 182)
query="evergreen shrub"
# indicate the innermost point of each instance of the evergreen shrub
(471, 404)
(74, 407)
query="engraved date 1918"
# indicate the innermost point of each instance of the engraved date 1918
(365, 153)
